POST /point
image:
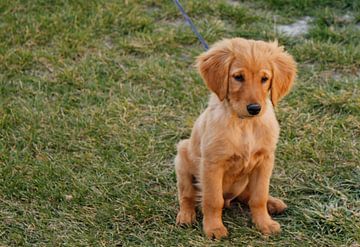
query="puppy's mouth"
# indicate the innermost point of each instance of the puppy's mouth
(244, 117)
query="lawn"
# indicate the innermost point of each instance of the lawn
(94, 95)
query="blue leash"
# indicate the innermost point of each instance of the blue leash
(193, 28)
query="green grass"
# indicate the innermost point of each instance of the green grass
(94, 95)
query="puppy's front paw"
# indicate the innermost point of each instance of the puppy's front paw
(268, 227)
(275, 205)
(217, 231)
(186, 217)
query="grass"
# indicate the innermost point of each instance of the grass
(94, 95)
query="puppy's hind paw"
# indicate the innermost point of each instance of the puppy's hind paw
(276, 206)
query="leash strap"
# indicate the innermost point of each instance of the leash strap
(193, 28)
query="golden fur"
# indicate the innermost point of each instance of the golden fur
(230, 152)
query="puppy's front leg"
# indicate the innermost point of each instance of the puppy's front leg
(259, 194)
(212, 200)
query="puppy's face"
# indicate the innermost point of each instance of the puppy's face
(248, 86)
(244, 72)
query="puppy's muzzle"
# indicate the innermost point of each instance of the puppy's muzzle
(253, 109)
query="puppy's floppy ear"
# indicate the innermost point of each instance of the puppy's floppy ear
(284, 72)
(213, 66)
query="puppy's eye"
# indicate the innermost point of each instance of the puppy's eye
(264, 79)
(239, 78)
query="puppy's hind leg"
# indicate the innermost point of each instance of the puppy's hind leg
(186, 189)
(275, 205)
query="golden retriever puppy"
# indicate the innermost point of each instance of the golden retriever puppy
(230, 153)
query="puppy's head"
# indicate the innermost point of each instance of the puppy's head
(244, 72)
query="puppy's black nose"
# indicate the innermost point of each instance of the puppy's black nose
(253, 109)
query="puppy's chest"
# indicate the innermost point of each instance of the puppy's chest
(247, 149)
